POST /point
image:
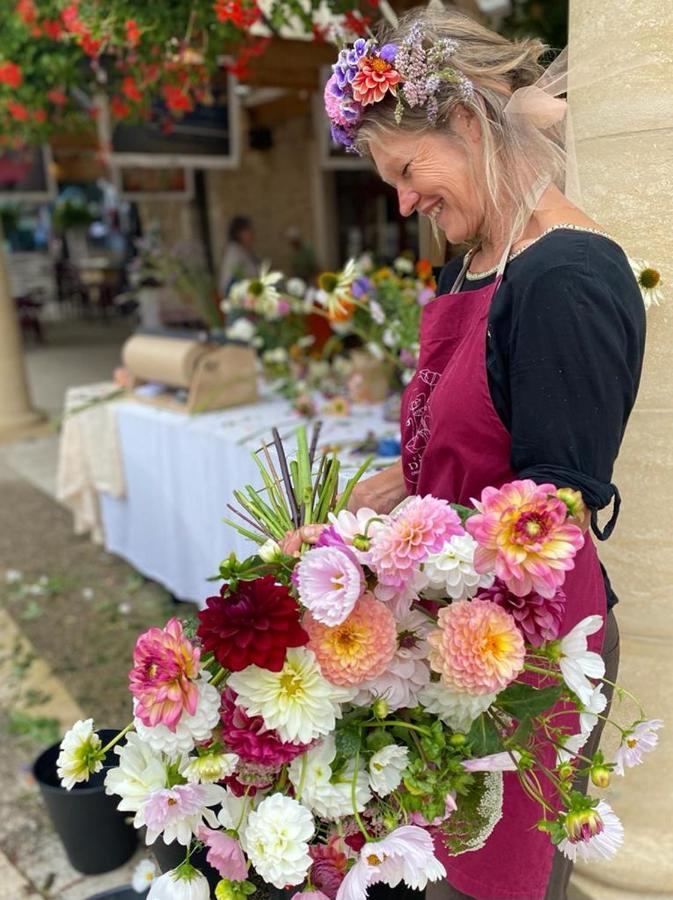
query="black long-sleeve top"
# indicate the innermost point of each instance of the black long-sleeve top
(564, 352)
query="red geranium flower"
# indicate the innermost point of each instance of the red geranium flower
(255, 625)
(90, 45)
(132, 32)
(52, 28)
(176, 99)
(18, 111)
(25, 9)
(119, 107)
(58, 98)
(130, 89)
(40, 116)
(10, 74)
(357, 23)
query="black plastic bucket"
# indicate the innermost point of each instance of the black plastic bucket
(125, 892)
(96, 836)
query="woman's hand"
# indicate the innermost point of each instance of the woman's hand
(382, 492)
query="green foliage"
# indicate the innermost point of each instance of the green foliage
(524, 701)
(40, 730)
(484, 737)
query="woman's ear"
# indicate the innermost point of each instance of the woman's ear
(464, 122)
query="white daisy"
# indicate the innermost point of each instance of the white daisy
(143, 875)
(578, 664)
(259, 295)
(454, 708)
(649, 282)
(602, 845)
(276, 840)
(297, 702)
(386, 767)
(334, 292)
(81, 754)
(190, 730)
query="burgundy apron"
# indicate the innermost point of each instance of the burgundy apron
(454, 445)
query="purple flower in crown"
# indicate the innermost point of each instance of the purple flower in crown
(343, 136)
(360, 287)
(340, 106)
(346, 66)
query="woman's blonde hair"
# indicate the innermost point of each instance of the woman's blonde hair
(516, 151)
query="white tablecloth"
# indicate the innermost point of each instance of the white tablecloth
(180, 472)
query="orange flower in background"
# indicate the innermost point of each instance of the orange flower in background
(10, 74)
(424, 269)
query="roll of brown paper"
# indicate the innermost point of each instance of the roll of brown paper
(166, 360)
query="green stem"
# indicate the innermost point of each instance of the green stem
(117, 738)
(218, 677)
(548, 673)
(354, 784)
(420, 728)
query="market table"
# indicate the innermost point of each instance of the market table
(179, 473)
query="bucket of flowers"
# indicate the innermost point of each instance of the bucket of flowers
(343, 711)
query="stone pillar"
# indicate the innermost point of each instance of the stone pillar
(625, 153)
(16, 412)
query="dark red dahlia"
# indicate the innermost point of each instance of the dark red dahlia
(255, 625)
(538, 618)
(249, 737)
(329, 867)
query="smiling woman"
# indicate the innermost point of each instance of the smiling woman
(532, 372)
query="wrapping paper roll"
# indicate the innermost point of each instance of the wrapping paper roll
(166, 360)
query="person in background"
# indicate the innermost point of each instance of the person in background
(239, 259)
(302, 256)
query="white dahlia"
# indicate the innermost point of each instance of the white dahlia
(451, 572)
(386, 767)
(327, 795)
(81, 754)
(209, 768)
(455, 708)
(140, 772)
(190, 730)
(297, 702)
(276, 840)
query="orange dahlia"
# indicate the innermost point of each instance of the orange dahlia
(359, 648)
(375, 78)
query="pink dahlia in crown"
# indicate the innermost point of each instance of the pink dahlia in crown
(359, 648)
(164, 666)
(477, 648)
(524, 536)
(249, 737)
(539, 618)
(419, 528)
(375, 78)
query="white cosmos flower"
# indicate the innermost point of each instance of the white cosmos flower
(183, 883)
(591, 710)
(276, 840)
(577, 663)
(406, 855)
(143, 875)
(571, 747)
(81, 754)
(328, 796)
(635, 742)
(140, 771)
(455, 708)
(297, 702)
(190, 730)
(600, 846)
(451, 572)
(649, 282)
(386, 767)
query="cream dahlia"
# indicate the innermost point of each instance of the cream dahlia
(456, 709)
(451, 572)
(359, 648)
(477, 648)
(524, 536)
(276, 840)
(191, 728)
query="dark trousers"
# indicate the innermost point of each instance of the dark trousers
(557, 889)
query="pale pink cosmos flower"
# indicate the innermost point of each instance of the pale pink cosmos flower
(364, 523)
(577, 662)
(329, 583)
(179, 812)
(524, 536)
(637, 741)
(417, 529)
(164, 666)
(599, 839)
(477, 648)
(405, 855)
(224, 854)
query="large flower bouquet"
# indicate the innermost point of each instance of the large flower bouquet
(353, 692)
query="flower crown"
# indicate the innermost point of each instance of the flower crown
(364, 73)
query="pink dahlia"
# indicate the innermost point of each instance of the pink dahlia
(224, 854)
(538, 618)
(359, 648)
(524, 536)
(419, 528)
(375, 78)
(329, 582)
(477, 648)
(251, 739)
(164, 664)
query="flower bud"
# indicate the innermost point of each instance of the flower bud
(362, 542)
(577, 509)
(270, 551)
(600, 776)
(582, 825)
(457, 739)
(565, 771)
(380, 708)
